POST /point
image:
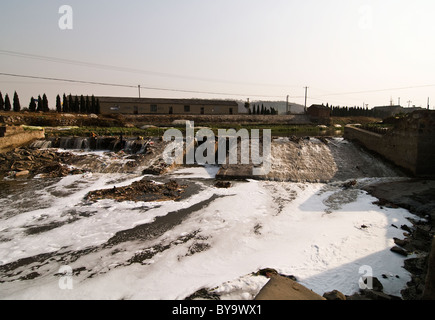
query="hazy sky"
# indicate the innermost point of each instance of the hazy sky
(346, 52)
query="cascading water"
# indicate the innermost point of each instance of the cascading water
(132, 146)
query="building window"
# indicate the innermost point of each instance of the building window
(153, 108)
(231, 110)
(186, 108)
(202, 110)
(114, 108)
(171, 110)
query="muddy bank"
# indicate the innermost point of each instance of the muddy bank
(25, 161)
(143, 190)
(417, 196)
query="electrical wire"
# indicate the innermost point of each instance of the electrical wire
(132, 86)
(131, 70)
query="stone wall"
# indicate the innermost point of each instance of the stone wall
(16, 136)
(409, 145)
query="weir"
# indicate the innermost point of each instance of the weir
(129, 145)
(315, 160)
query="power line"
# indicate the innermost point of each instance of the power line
(130, 70)
(66, 80)
(134, 86)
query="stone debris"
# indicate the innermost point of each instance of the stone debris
(143, 190)
(22, 162)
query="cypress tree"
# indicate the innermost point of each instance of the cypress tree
(70, 103)
(39, 107)
(32, 105)
(2, 103)
(88, 105)
(58, 104)
(76, 104)
(7, 103)
(45, 103)
(65, 103)
(82, 104)
(17, 106)
(97, 106)
(93, 105)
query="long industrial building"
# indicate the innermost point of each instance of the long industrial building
(122, 105)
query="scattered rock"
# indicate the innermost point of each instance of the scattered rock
(334, 295)
(384, 203)
(28, 161)
(203, 294)
(399, 250)
(269, 272)
(22, 173)
(266, 272)
(223, 184)
(378, 295)
(374, 282)
(349, 184)
(400, 242)
(143, 190)
(405, 228)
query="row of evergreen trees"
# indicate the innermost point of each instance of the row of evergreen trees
(351, 112)
(70, 104)
(263, 110)
(5, 105)
(76, 104)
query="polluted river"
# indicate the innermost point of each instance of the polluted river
(113, 222)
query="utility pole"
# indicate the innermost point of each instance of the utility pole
(399, 101)
(139, 90)
(286, 106)
(306, 92)
(428, 106)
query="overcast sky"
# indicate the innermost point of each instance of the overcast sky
(346, 52)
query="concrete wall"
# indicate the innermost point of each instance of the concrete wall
(167, 120)
(16, 136)
(410, 145)
(400, 149)
(130, 106)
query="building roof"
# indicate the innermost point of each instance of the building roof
(168, 101)
(386, 107)
(319, 106)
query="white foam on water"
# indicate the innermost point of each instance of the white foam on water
(255, 224)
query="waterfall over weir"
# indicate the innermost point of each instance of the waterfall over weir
(131, 145)
(300, 160)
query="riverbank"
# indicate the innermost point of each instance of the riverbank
(320, 232)
(417, 196)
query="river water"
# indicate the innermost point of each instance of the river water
(323, 233)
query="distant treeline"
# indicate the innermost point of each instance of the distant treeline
(351, 111)
(69, 104)
(263, 110)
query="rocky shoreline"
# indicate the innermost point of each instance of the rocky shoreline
(23, 162)
(417, 196)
